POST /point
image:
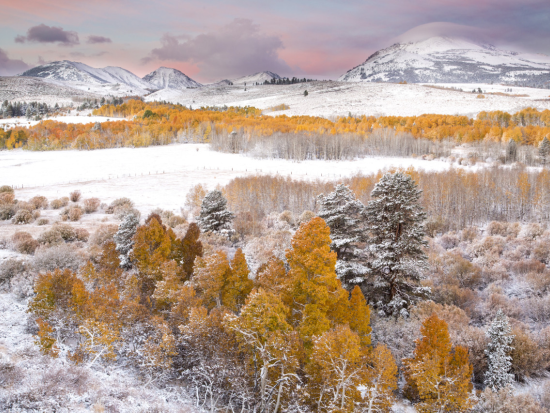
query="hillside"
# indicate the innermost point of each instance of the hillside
(167, 78)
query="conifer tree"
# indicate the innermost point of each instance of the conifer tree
(214, 216)
(343, 214)
(544, 150)
(498, 351)
(395, 223)
(124, 239)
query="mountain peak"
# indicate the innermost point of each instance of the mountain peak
(447, 59)
(170, 78)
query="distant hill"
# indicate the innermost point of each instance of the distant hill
(167, 78)
(451, 60)
(260, 78)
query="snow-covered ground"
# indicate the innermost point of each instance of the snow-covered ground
(161, 176)
(331, 99)
(81, 118)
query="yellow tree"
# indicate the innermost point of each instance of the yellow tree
(263, 330)
(337, 367)
(437, 374)
(359, 316)
(99, 339)
(238, 285)
(210, 279)
(381, 381)
(315, 296)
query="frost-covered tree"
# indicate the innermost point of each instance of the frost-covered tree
(512, 150)
(342, 212)
(544, 150)
(395, 225)
(214, 216)
(498, 351)
(124, 239)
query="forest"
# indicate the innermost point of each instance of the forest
(271, 294)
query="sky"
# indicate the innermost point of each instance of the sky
(210, 40)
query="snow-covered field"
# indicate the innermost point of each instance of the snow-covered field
(161, 176)
(331, 99)
(82, 118)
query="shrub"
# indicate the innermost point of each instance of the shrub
(50, 238)
(468, 234)
(91, 205)
(59, 203)
(71, 213)
(119, 203)
(6, 188)
(22, 216)
(61, 256)
(82, 234)
(504, 401)
(176, 220)
(7, 197)
(449, 240)
(496, 228)
(9, 269)
(67, 233)
(288, 217)
(27, 246)
(42, 221)
(532, 231)
(104, 234)
(306, 217)
(25, 205)
(39, 202)
(527, 357)
(75, 196)
(6, 211)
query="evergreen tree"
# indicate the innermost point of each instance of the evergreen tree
(343, 214)
(214, 216)
(305, 93)
(395, 223)
(544, 150)
(498, 353)
(124, 239)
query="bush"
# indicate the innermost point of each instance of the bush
(9, 269)
(176, 220)
(91, 205)
(50, 238)
(504, 401)
(306, 217)
(42, 221)
(71, 213)
(6, 211)
(22, 216)
(82, 234)
(119, 203)
(532, 231)
(27, 246)
(7, 197)
(288, 217)
(104, 234)
(25, 205)
(6, 188)
(75, 196)
(39, 202)
(61, 256)
(67, 233)
(59, 203)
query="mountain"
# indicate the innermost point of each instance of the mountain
(260, 78)
(75, 72)
(451, 60)
(167, 78)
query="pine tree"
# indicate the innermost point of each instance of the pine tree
(124, 239)
(544, 150)
(214, 216)
(343, 214)
(498, 353)
(395, 223)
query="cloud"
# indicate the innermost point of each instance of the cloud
(444, 29)
(236, 49)
(92, 39)
(47, 34)
(9, 66)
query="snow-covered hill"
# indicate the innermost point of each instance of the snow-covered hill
(167, 78)
(260, 78)
(452, 60)
(81, 76)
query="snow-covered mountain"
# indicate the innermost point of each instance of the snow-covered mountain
(260, 78)
(80, 73)
(167, 78)
(451, 60)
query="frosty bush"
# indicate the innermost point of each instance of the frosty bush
(39, 202)
(22, 216)
(305, 217)
(50, 237)
(59, 203)
(195, 196)
(91, 205)
(42, 221)
(75, 196)
(24, 243)
(7, 211)
(8, 270)
(120, 203)
(6, 189)
(103, 233)
(71, 213)
(176, 220)
(60, 256)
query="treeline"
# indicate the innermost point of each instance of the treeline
(29, 110)
(167, 123)
(453, 199)
(286, 81)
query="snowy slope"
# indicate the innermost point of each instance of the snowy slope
(452, 60)
(80, 75)
(260, 78)
(167, 78)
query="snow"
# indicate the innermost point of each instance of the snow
(82, 119)
(161, 176)
(331, 99)
(259, 77)
(167, 78)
